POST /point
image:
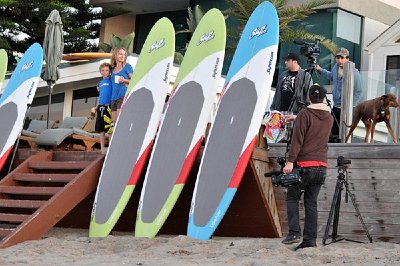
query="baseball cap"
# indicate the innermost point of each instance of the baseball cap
(317, 91)
(292, 56)
(342, 52)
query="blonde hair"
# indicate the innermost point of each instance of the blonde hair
(114, 56)
(105, 64)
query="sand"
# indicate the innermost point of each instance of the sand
(73, 247)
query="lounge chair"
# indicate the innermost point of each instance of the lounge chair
(55, 137)
(34, 129)
(87, 136)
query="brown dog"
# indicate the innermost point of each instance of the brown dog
(372, 112)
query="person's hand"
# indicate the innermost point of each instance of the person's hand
(290, 117)
(288, 168)
(121, 79)
(318, 68)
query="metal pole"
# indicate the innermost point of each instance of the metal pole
(50, 85)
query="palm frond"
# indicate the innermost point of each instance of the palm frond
(287, 12)
(291, 13)
(295, 33)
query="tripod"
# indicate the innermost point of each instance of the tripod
(335, 208)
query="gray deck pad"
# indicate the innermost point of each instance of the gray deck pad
(224, 147)
(171, 148)
(8, 116)
(124, 151)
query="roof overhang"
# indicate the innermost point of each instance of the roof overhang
(143, 7)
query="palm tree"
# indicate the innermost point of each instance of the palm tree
(116, 42)
(194, 17)
(242, 9)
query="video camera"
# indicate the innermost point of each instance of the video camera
(341, 161)
(279, 178)
(311, 50)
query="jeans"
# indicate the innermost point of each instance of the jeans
(312, 179)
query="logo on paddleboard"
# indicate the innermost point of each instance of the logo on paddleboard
(157, 45)
(166, 74)
(215, 68)
(27, 66)
(258, 31)
(206, 37)
(271, 59)
(30, 90)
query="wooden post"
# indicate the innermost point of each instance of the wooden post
(347, 99)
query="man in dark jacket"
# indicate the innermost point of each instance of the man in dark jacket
(309, 149)
(292, 87)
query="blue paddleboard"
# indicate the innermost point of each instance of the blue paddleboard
(237, 121)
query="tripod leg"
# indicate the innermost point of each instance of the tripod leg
(332, 210)
(337, 212)
(353, 200)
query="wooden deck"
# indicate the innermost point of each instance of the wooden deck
(373, 176)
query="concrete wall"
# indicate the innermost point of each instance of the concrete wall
(119, 25)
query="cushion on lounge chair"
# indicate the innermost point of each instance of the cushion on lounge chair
(51, 137)
(56, 136)
(74, 122)
(29, 133)
(86, 133)
(36, 127)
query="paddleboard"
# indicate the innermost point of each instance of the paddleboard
(135, 128)
(17, 95)
(3, 66)
(237, 121)
(184, 124)
(85, 56)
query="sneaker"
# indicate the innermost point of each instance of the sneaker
(290, 239)
(306, 245)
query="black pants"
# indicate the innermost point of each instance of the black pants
(312, 179)
(335, 126)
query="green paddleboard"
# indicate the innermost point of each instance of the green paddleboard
(3, 66)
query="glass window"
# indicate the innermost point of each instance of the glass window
(39, 108)
(393, 73)
(83, 101)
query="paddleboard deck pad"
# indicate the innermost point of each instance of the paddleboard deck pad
(18, 94)
(184, 124)
(238, 118)
(135, 128)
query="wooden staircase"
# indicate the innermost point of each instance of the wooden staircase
(42, 190)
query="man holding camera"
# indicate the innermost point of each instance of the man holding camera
(292, 87)
(309, 149)
(336, 76)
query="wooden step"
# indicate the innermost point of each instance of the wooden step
(21, 190)
(59, 165)
(5, 231)
(29, 204)
(56, 178)
(14, 218)
(54, 188)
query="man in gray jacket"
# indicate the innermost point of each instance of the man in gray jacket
(292, 87)
(336, 76)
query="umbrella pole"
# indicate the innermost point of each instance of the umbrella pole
(50, 85)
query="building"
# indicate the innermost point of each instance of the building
(351, 24)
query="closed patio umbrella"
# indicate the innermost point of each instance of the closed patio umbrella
(53, 46)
